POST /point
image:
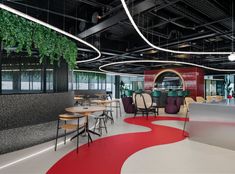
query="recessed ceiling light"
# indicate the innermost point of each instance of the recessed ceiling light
(231, 57)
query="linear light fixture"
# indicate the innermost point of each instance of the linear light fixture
(161, 61)
(88, 71)
(36, 153)
(159, 48)
(31, 155)
(111, 74)
(7, 8)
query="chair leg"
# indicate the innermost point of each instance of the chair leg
(57, 132)
(135, 112)
(65, 133)
(96, 121)
(105, 126)
(185, 123)
(119, 105)
(88, 139)
(111, 115)
(116, 109)
(89, 136)
(78, 135)
(100, 126)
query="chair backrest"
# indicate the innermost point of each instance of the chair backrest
(69, 117)
(156, 93)
(133, 97)
(180, 93)
(143, 100)
(148, 100)
(186, 93)
(172, 94)
(188, 100)
(200, 99)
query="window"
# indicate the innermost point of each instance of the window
(25, 80)
(30, 80)
(83, 83)
(7, 80)
(93, 82)
(49, 80)
(109, 83)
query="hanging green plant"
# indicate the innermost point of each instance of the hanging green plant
(18, 32)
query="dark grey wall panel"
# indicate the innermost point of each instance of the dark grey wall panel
(28, 109)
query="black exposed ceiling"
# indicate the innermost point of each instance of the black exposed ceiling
(195, 25)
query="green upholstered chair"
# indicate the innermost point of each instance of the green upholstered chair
(186, 93)
(128, 93)
(172, 94)
(180, 93)
(156, 99)
(171, 103)
(156, 93)
(139, 91)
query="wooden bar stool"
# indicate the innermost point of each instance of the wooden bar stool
(100, 123)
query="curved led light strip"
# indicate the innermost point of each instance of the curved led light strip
(159, 48)
(108, 73)
(88, 71)
(2, 6)
(160, 61)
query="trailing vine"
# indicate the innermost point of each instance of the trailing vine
(18, 32)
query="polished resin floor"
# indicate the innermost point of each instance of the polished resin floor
(180, 156)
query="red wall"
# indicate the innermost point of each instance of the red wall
(193, 79)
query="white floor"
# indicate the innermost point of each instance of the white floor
(178, 158)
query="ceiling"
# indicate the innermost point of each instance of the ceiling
(201, 25)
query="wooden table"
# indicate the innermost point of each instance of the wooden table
(100, 95)
(105, 103)
(86, 111)
(102, 102)
(78, 98)
(82, 99)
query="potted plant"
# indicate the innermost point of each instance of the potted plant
(228, 89)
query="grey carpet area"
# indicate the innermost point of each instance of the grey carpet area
(27, 136)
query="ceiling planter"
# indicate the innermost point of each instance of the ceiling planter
(22, 34)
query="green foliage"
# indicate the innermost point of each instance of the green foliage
(18, 32)
(91, 75)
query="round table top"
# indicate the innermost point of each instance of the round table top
(101, 101)
(78, 98)
(85, 109)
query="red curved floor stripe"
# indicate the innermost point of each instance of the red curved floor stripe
(107, 155)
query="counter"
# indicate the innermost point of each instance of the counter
(213, 123)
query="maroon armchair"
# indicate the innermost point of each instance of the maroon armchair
(129, 107)
(171, 105)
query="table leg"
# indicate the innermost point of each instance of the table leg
(83, 131)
